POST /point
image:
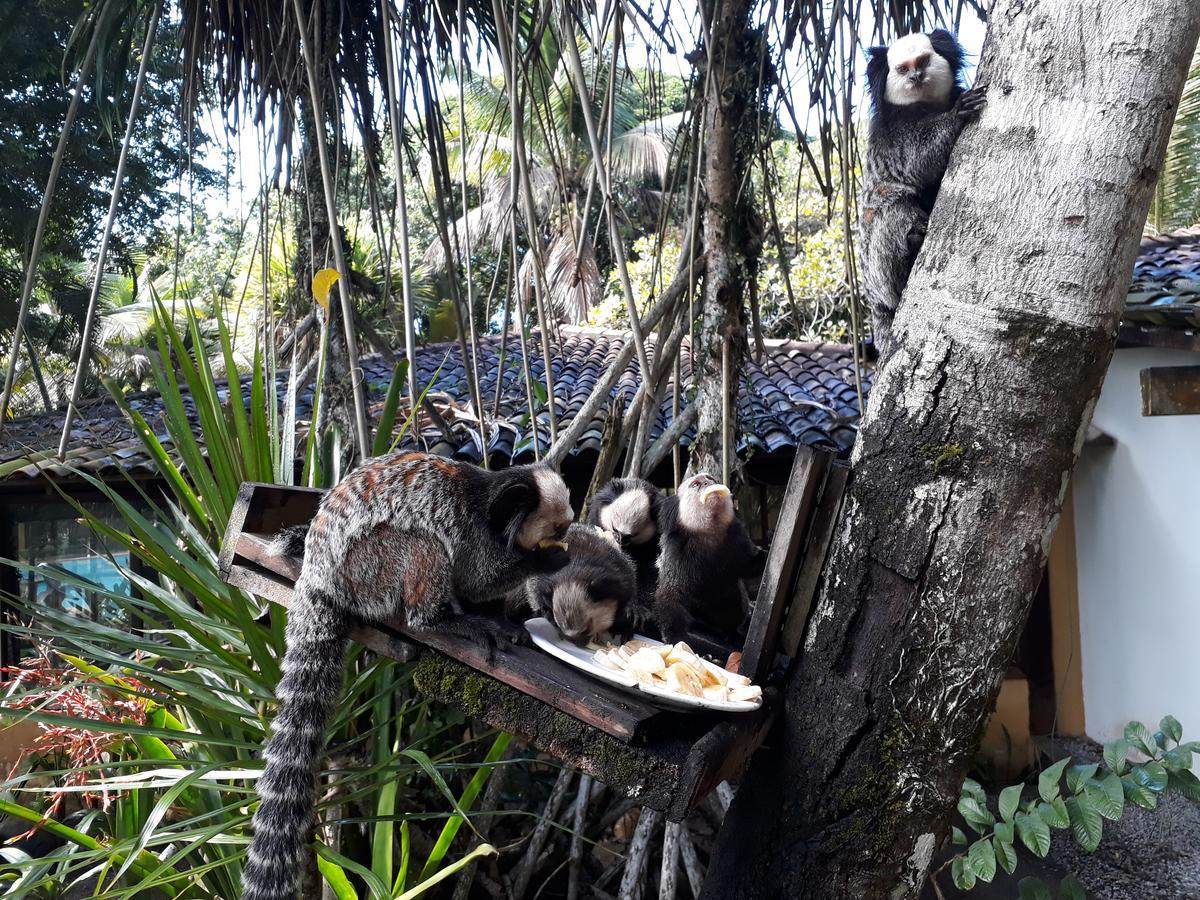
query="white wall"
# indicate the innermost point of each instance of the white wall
(1137, 535)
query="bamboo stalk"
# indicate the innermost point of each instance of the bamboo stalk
(466, 237)
(528, 865)
(39, 232)
(89, 322)
(506, 44)
(393, 93)
(691, 862)
(683, 279)
(639, 850)
(670, 862)
(362, 430)
(575, 67)
(575, 855)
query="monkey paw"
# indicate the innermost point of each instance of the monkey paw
(916, 237)
(971, 103)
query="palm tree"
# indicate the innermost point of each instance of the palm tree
(1177, 195)
(562, 171)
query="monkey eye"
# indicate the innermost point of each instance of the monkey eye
(902, 69)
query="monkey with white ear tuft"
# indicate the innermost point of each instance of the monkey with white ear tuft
(407, 536)
(705, 553)
(919, 107)
(627, 508)
(592, 593)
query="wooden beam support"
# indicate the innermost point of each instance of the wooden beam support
(1171, 391)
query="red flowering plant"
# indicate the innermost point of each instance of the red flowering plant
(65, 693)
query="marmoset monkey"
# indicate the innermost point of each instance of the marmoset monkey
(592, 593)
(919, 109)
(408, 535)
(705, 552)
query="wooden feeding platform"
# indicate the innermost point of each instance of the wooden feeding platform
(667, 760)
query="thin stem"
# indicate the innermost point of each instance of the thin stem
(89, 323)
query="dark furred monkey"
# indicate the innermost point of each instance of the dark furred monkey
(403, 535)
(919, 109)
(705, 552)
(592, 593)
(627, 508)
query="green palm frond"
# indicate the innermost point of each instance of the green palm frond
(1177, 195)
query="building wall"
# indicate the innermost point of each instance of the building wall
(1137, 508)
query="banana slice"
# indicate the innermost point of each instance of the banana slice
(717, 692)
(649, 660)
(750, 692)
(683, 678)
(547, 543)
(602, 658)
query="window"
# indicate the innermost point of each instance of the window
(49, 534)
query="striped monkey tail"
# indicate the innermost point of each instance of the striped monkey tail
(308, 690)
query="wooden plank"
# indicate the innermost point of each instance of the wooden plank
(1171, 391)
(820, 537)
(1137, 334)
(722, 755)
(527, 669)
(265, 509)
(799, 499)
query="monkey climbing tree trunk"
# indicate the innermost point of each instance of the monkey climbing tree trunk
(733, 74)
(970, 436)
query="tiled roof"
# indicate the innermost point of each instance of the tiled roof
(1166, 280)
(801, 393)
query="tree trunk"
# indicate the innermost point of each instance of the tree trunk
(732, 234)
(969, 440)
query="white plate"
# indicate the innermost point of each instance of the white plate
(547, 637)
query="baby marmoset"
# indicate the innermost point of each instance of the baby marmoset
(627, 508)
(919, 107)
(592, 593)
(705, 552)
(406, 535)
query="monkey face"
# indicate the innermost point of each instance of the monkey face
(552, 516)
(705, 505)
(628, 519)
(917, 73)
(583, 611)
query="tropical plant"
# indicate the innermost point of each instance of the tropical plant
(1138, 768)
(562, 171)
(149, 738)
(1177, 193)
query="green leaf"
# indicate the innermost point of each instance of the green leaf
(481, 850)
(1107, 796)
(1141, 738)
(1177, 760)
(1191, 746)
(977, 817)
(1034, 834)
(1048, 780)
(1010, 799)
(1086, 823)
(983, 859)
(1034, 889)
(470, 792)
(957, 837)
(1054, 814)
(1136, 793)
(1115, 755)
(1151, 775)
(1185, 783)
(335, 876)
(1005, 832)
(962, 874)
(1077, 775)
(387, 416)
(1070, 889)
(972, 788)
(1006, 854)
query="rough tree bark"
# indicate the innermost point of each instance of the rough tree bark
(730, 65)
(969, 440)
